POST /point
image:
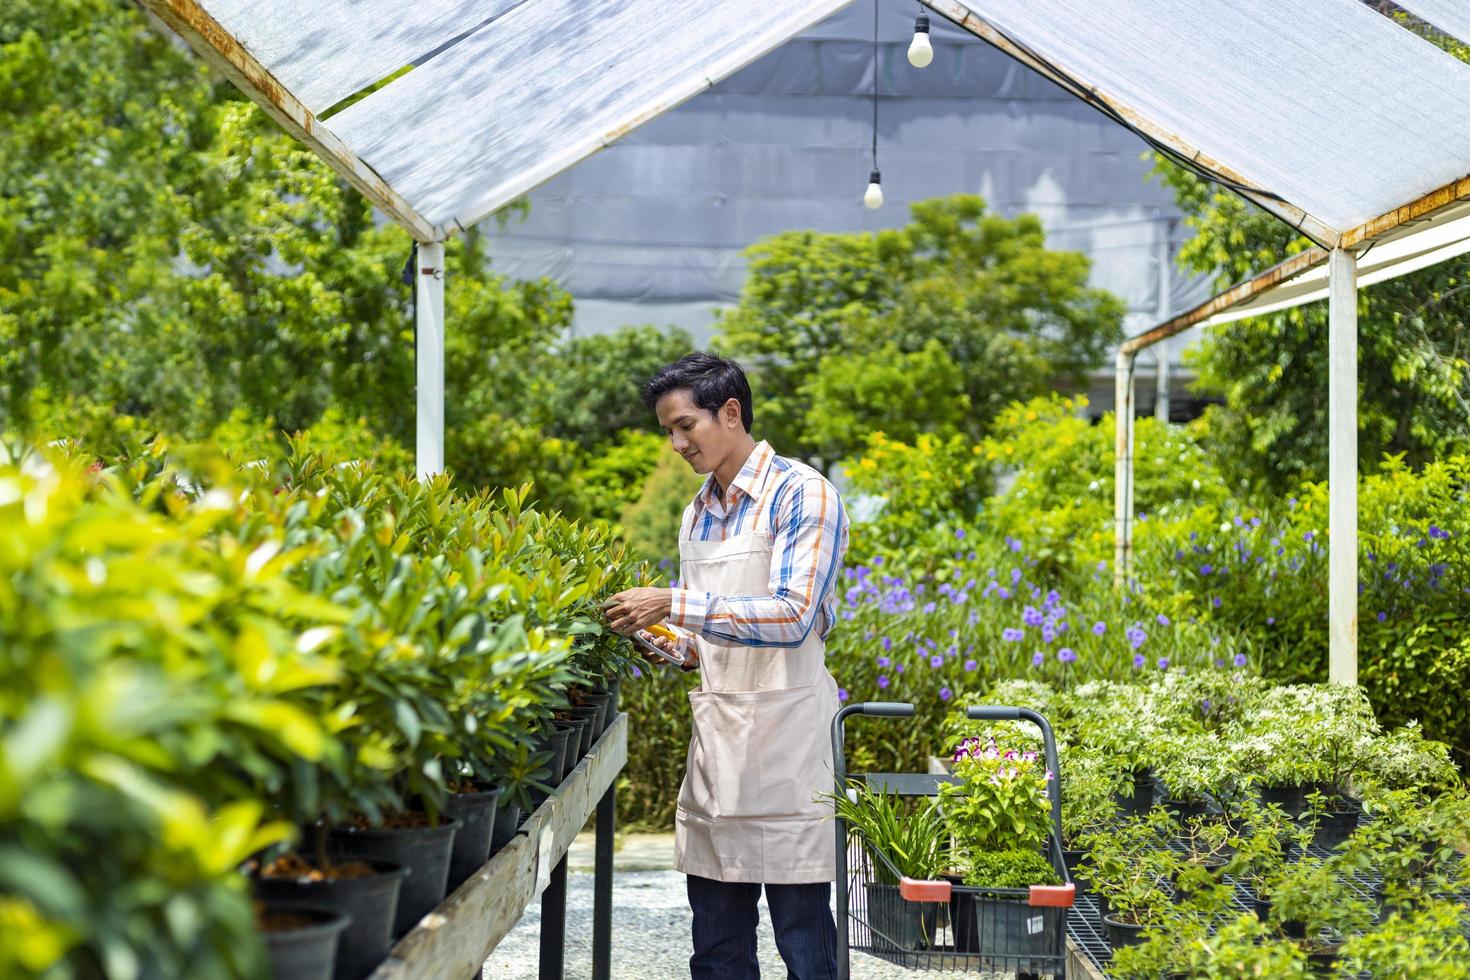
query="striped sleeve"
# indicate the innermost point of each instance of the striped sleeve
(809, 539)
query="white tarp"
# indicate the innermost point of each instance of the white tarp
(548, 84)
(1325, 103)
(327, 50)
(1452, 17)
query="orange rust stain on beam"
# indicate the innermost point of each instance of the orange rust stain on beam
(1274, 276)
(1451, 193)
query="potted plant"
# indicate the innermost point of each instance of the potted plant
(898, 838)
(1088, 805)
(1313, 904)
(1119, 722)
(1128, 865)
(999, 814)
(1425, 943)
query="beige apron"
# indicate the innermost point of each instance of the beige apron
(762, 744)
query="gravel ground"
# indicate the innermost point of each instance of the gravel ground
(650, 935)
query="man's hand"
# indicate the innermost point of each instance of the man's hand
(639, 608)
(691, 655)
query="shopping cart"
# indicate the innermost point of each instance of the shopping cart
(944, 925)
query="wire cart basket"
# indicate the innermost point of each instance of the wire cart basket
(944, 925)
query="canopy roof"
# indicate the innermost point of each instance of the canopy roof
(1326, 113)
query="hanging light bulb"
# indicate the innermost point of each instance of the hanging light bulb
(873, 196)
(921, 52)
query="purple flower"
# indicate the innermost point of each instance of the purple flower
(1102, 566)
(887, 643)
(1136, 637)
(884, 661)
(929, 607)
(1004, 593)
(970, 665)
(1162, 619)
(1066, 655)
(1012, 635)
(1215, 601)
(882, 681)
(1382, 617)
(936, 661)
(1270, 620)
(945, 694)
(1015, 575)
(1163, 663)
(1038, 658)
(899, 668)
(877, 560)
(1139, 660)
(1032, 616)
(1015, 543)
(636, 671)
(1308, 536)
(1438, 532)
(1206, 569)
(1048, 634)
(1240, 660)
(1099, 628)
(959, 533)
(842, 694)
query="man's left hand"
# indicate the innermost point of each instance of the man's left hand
(639, 608)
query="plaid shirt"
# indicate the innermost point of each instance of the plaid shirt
(807, 526)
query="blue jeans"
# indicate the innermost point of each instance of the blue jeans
(725, 918)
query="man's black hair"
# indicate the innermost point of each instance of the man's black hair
(712, 380)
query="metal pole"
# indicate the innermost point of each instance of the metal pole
(1162, 315)
(1122, 469)
(554, 923)
(429, 359)
(1342, 466)
(602, 883)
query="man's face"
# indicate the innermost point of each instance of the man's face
(704, 440)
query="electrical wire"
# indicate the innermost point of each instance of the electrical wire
(875, 84)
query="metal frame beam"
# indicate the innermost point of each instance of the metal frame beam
(1342, 467)
(429, 359)
(219, 48)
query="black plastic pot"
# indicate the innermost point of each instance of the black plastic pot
(1335, 826)
(1187, 810)
(370, 903)
(476, 815)
(424, 851)
(1216, 868)
(1122, 934)
(507, 820)
(615, 688)
(601, 700)
(556, 742)
(307, 951)
(590, 733)
(1001, 926)
(1079, 878)
(575, 727)
(897, 923)
(1143, 794)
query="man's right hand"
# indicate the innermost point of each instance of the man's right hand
(691, 655)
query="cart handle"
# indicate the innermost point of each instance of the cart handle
(887, 709)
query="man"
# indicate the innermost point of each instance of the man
(759, 553)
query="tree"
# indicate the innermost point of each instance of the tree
(1413, 372)
(937, 325)
(173, 262)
